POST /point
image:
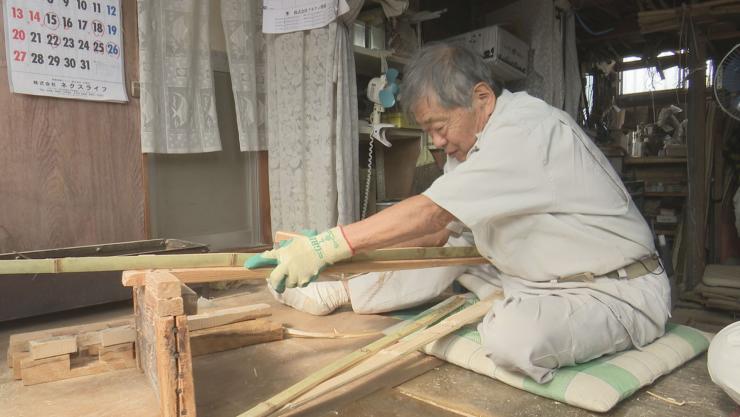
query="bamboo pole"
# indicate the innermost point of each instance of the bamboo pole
(203, 260)
(394, 353)
(334, 368)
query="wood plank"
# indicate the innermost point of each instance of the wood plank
(202, 275)
(233, 336)
(695, 138)
(162, 284)
(117, 335)
(44, 370)
(185, 385)
(53, 346)
(165, 348)
(227, 315)
(264, 197)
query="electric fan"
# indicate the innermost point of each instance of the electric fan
(727, 83)
(382, 92)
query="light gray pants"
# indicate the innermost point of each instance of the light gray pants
(531, 333)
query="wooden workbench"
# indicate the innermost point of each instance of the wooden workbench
(230, 382)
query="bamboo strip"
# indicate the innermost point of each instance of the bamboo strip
(394, 353)
(203, 260)
(200, 275)
(426, 318)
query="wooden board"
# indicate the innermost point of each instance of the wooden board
(234, 335)
(185, 384)
(71, 170)
(200, 275)
(224, 316)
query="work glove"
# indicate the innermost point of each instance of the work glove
(299, 260)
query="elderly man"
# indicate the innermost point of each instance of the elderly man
(528, 188)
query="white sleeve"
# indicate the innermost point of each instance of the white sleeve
(506, 177)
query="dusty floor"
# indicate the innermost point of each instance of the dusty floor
(229, 383)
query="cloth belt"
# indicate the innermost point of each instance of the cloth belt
(633, 270)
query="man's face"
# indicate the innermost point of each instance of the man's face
(454, 129)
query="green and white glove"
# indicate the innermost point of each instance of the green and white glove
(299, 260)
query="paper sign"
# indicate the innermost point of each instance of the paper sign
(65, 48)
(282, 16)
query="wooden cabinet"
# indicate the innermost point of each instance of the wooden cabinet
(393, 169)
(664, 191)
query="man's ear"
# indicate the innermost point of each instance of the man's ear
(484, 97)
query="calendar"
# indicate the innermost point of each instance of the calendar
(65, 48)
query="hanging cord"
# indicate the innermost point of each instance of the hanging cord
(369, 177)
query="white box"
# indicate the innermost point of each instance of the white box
(507, 54)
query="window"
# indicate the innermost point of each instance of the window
(648, 79)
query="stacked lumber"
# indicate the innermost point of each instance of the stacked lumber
(720, 287)
(671, 20)
(70, 352)
(232, 328)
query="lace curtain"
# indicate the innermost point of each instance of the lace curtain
(178, 109)
(312, 127)
(242, 22)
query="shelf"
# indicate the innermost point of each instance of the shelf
(664, 194)
(391, 133)
(367, 61)
(653, 160)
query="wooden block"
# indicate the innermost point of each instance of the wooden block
(227, 315)
(117, 335)
(44, 370)
(17, 357)
(89, 339)
(53, 346)
(162, 284)
(117, 353)
(19, 342)
(163, 307)
(185, 385)
(93, 350)
(189, 300)
(234, 335)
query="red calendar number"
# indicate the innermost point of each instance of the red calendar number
(16, 12)
(35, 15)
(19, 56)
(19, 34)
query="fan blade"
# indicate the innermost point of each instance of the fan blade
(391, 75)
(387, 99)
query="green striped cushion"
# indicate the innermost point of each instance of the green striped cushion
(597, 385)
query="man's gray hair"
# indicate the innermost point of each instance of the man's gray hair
(449, 71)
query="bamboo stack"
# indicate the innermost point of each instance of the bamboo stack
(669, 20)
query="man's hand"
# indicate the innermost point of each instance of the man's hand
(299, 260)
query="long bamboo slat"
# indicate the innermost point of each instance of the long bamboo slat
(204, 260)
(334, 368)
(395, 352)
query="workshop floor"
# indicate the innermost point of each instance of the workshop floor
(229, 383)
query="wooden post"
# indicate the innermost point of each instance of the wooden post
(163, 344)
(696, 209)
